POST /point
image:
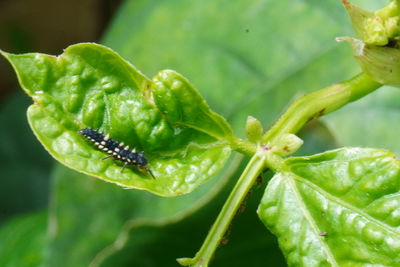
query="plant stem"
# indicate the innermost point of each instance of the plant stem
(303, 110)
(319, 103)
(243, 146)
(239, 192)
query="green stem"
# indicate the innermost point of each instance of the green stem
(239, 192)
(299, 113)
(319, 103)
(243, 146)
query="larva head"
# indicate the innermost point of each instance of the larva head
(141, 160)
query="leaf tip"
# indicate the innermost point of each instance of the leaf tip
(5, 54)
(346, 4)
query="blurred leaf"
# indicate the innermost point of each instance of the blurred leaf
(185, 141)
(337, 208)
(248, 244)
(250, 59)
(90, 219)
(317, 137)
(22, 240)
(24, 165)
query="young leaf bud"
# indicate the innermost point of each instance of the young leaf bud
(287, 144)
(378, 50)
(375, 28)
(254, 129)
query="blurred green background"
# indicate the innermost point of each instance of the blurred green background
(245, 57)
(36, 26)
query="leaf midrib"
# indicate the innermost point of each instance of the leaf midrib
(343, 204)
(310, 219)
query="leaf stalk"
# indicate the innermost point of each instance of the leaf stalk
(319, 103)
(230, 208)
(302, 111)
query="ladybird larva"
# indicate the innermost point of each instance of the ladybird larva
(116, 150)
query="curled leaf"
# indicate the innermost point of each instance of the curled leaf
(182, 105)
(381, 63)
(375, 28)
(91, 86)
(377, 49)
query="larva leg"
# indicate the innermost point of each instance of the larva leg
(109, 156)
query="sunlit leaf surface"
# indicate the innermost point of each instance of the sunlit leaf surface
(338, 208)
(90, 86)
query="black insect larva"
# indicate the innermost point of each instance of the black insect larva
(117, 150)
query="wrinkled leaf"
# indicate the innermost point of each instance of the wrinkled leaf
(338, 208)
(176, 98)
(22, 240)
(134, 230)
(91, 86)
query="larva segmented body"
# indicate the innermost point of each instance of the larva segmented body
(116, 149)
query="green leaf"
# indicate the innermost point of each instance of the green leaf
(247, 244)
(22, 240)
(381, 63)
(177, 99)
(377, 52)
(91, 86)
(375, 28)
(338, 208)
